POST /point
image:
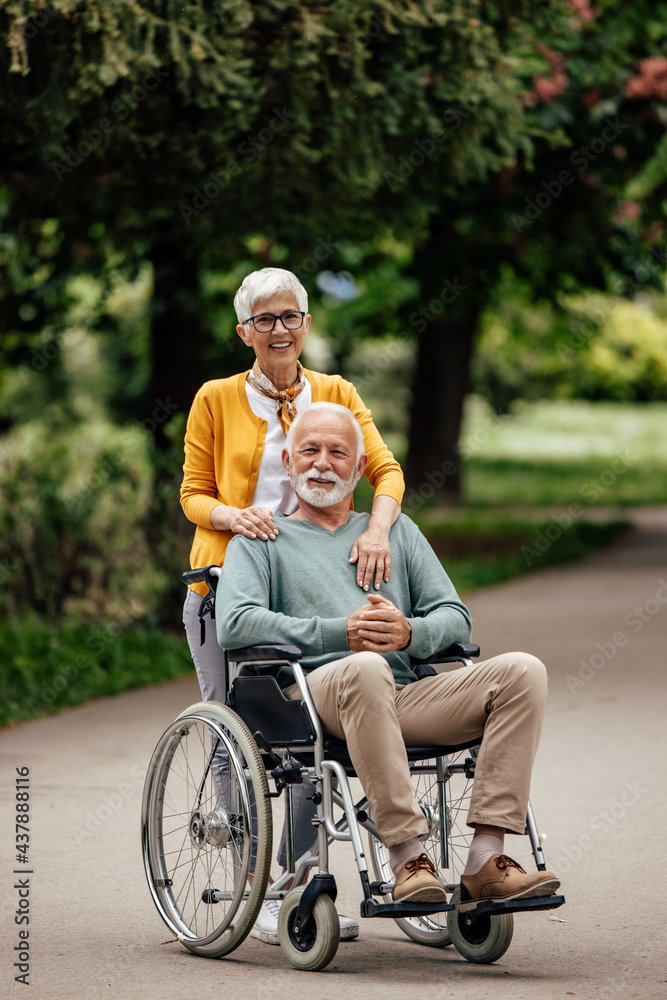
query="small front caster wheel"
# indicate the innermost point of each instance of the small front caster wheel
(480, 939)
(322, 933)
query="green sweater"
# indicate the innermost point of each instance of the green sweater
(300, 588)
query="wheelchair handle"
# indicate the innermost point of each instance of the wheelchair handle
(207, 574)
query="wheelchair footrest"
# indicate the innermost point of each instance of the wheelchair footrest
(515, 905)
(371, 908)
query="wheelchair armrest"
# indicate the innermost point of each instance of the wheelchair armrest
(246, 653)
(453, 652)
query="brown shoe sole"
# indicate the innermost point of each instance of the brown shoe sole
(544, 888)
(423, 894)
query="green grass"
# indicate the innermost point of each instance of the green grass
(536, 463)
(480, 549)
(557, 453)
(45, 668)
(593, 482)
(554, 453)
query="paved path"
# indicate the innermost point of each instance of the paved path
(598, 793)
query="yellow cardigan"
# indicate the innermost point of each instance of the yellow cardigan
(224, 443)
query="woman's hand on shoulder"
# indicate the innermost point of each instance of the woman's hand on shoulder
(372, 554)
(371, 551)
(251, 522)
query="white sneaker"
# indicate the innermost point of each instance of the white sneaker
(349, 928)
(266, 926)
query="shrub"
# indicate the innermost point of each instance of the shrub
(600, 348)
(45, 668)
(71, 538)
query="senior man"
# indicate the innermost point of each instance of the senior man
(357, 664)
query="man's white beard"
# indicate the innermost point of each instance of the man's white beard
(317, 496)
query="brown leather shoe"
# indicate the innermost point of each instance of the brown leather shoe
(417, 882)
(501, 878)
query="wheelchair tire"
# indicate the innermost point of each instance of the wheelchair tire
(479, 939)
(324, 932)
(206, 824)
(433, 930)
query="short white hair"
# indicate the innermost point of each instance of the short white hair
(342, 411)
(260, 285)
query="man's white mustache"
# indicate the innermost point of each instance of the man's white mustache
(327, 477)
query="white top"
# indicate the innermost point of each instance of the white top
(273, 488)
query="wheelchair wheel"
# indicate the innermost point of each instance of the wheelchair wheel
(323, 932)
(433, 930)
(206, 825)
(479, 939)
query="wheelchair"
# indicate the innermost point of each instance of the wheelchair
(207, 822)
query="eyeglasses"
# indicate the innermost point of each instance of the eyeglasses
(265, 322)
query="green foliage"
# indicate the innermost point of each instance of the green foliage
(355, 83)
(45, 668)
(573, 217)
(628, 361)
(302, 114)
(593, 346)
(384, 292)
(71, 538)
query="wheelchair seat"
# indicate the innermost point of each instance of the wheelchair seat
(285, 722)
(337, 750)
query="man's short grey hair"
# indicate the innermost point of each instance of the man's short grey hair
(261, 285)
(342, 411)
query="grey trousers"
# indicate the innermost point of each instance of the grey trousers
(210, 666)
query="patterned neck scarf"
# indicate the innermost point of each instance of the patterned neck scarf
(284, 397)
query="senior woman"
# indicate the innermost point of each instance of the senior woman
(234, 479)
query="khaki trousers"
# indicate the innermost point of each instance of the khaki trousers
(501, 700)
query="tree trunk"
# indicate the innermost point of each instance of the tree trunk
(176, 375)
(176, 336)
(441, 382)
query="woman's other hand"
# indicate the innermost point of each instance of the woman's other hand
(251, 522)
(371, 551)
(372, 554)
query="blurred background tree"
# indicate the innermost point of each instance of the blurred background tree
(175, 133)
(156, 154)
